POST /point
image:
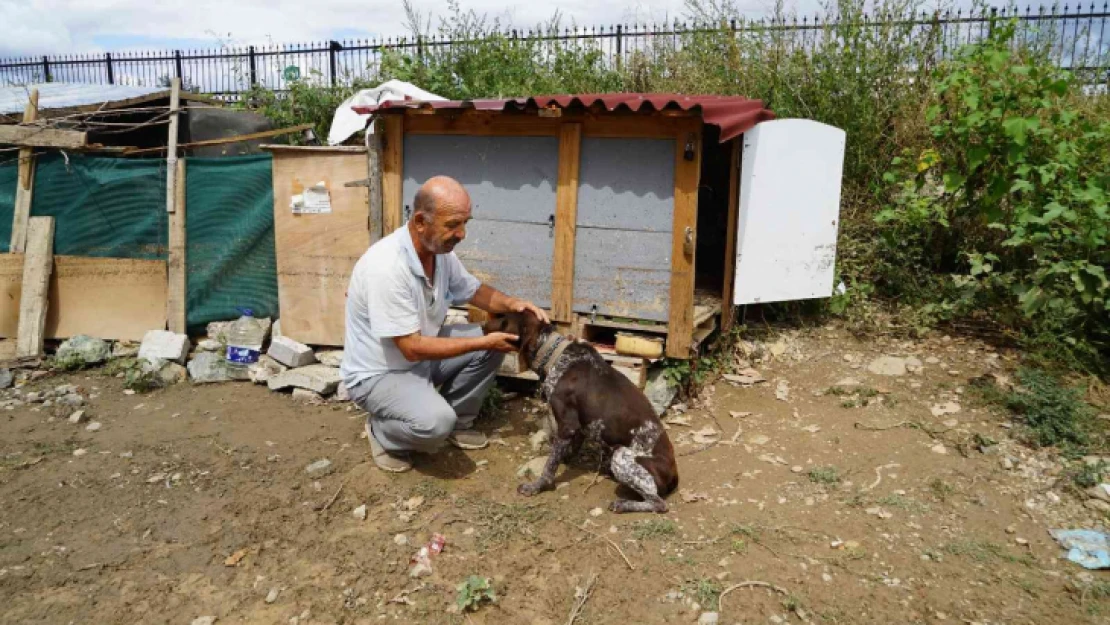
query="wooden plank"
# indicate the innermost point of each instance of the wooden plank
(175, 294)
(316, 253)
(37, 136)
(171, 145)
(25, 187)
(393, 142)
(38, 264)
(680, 324)
(494, 123)
(374, 176)
(728, 311)
(109, 298)
(225, 140)
(566, 218)
(333, 149)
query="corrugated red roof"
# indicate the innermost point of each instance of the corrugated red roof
(732, 114)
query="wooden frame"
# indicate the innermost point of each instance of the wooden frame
(683, 127)
(728, 311)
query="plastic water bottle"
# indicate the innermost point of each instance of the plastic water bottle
(244, 340)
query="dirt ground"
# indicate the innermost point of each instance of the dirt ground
(195, 501)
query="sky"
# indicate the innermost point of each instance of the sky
(38, 27)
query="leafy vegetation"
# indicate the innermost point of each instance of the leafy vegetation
(1050, 412)
(473, 592)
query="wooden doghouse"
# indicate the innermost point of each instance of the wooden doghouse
(616, 212)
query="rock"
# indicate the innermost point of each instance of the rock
(86, 349)
(533, 467)
(1102, 491)
(659, 391)
(217, 331)
(78, 417)
(341, 393)
(33, 397)
(848, 383)
(1012, 529)
(305, 396)
(319, 468)
(596, 512)
(266, 368)
(932, 360)
(782, 391)
(887, 365)
(1021, 541)
(319, 378)
(208, 368)
(163, 345)
(210, 345)
(1007, 464)
(172, 373)
(400, 540)
(204, 620)
(77, 453)
(125, 349)
(360, 512)
(272, 596)
(797, 468)
(939, 448)
(759, 439)
(708, 618)
(747, 377)
(333, 358)
(6, 379)
(914, 365)
(275, 330)
(291, 353)
(73, 400)
(539, 440)
(950, 407)
(93, 427)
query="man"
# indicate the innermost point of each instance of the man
(398, 350)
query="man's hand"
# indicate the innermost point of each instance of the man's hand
(519, 306)
(501, 342)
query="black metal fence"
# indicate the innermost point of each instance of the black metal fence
(1075, 38)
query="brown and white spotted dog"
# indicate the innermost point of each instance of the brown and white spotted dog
(589, 399)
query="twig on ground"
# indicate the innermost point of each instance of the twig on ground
(753, 584)
(879, 475)
(597, 476)
(916, 425)
(606, 539)
(333, 497)
(699, 449)
(580, 602)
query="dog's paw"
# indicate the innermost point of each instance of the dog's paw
(528, 489)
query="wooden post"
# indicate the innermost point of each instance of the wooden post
(38, 264)
(728, 310)
(392, 166)
(175, 292)
(374, 175)
(171, 145)
(26, 186)
(687, 173)
(566, 218)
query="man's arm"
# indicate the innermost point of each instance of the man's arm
(493, 301)
(417, 347)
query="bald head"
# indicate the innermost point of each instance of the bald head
(440, 192)
(441, 210)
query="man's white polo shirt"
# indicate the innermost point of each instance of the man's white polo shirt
(390, 296)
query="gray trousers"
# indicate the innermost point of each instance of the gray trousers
(406, 411)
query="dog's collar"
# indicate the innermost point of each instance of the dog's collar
(549, 352)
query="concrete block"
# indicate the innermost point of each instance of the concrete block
(163, 345)
(291, 353)
(319, 378)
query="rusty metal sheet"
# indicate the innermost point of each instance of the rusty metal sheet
(622, 273)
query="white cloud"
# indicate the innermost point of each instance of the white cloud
(37, 27)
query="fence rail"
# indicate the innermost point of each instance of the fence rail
(1076, 39)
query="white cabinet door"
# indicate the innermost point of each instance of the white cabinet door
(789, 211)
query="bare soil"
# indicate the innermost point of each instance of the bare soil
(862, 507)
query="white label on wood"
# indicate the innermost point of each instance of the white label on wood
(789, 211)
(315, 200)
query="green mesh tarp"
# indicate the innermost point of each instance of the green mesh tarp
(106, 207)
(9, 176)
(230, 231)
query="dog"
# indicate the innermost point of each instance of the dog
(591, 400)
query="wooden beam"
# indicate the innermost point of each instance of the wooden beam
(566, 219)
(393, 143)
(38, 264)
(265, 134)
(175, 267)
(687, 174)
(497, 124)
(171, 145)
(374, 176)
(728, 311)
(39, 137)
(25, 187)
